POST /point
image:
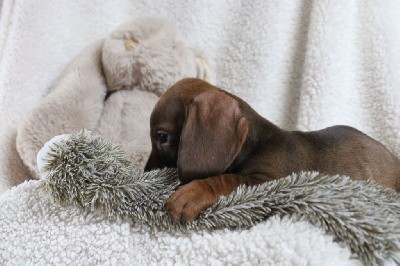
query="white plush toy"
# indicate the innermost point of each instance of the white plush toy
(111, 87)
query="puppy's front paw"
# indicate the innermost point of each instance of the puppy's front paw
(190, 200)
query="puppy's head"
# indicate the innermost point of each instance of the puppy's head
(197, 128)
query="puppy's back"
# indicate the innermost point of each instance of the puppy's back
(345, 150)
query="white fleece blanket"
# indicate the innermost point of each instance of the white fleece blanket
(301, 64)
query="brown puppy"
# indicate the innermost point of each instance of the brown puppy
(218, 142)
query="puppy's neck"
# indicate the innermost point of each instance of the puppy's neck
(261, 131)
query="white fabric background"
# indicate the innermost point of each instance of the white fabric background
(302, 64)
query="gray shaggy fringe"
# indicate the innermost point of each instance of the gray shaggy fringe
(87, 171)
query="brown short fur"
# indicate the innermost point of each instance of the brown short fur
(218, 142)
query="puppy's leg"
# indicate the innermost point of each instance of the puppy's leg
(191, 199)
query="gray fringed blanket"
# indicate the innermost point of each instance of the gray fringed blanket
(87, 171)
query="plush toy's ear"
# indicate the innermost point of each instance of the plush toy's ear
(212, 136)
(202, 67)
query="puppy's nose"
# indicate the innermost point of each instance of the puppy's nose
(153, 163)
(149, 163)
(148, 166)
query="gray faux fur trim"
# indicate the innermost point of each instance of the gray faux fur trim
(87, 171)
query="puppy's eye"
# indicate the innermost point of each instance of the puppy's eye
(162, 136)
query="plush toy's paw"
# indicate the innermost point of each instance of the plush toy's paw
(42, 154)
(190, 200)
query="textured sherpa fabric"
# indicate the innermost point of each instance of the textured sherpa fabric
(33, 229)
(301, 64)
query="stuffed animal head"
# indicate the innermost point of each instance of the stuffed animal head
(150, 54)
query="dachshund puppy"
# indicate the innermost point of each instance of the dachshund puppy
(218, 142)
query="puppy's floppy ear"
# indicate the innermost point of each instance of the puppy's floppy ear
(212, 135)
